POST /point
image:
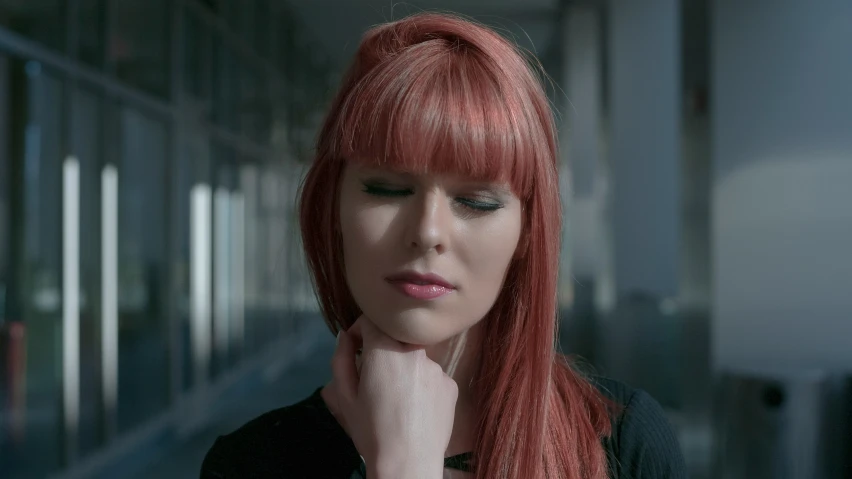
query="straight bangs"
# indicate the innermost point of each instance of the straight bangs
(438, 107)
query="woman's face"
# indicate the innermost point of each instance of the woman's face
(425, 255)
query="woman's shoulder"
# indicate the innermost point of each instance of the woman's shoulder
(643, 443)
(299, 440)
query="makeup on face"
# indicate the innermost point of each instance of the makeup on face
(422, 286)
(478, 197)
(425, 255)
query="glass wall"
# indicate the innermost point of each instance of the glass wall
(138, 50)
(33, 265)
(5, 198)
(148, 244)
(226, 259)
(40, 20)
(86, 142)
(92, 32)
(143, 334)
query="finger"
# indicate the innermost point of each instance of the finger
(343, 368)
(355, 332)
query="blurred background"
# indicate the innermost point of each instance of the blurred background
(153, 293)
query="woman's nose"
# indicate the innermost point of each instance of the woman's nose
(430, 223)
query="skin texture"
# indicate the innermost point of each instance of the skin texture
(409, 405)
(425, 223)
(398, 410)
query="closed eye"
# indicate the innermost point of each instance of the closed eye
(476, 206)
(386, 191)
(480, 205)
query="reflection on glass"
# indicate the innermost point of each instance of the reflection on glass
(138, 44)
(91, 21)
(225, 85)
(32, 405)
(144, 381)
(71, 299)
(200, 280)
(247, 21)
(254, 104)
(86, 147)
(276, 287)
(182, 184)
(237, 286)
(273, 217)
(5, 240)
(42, 21)
(190, 170)
(196, 45)
(233, 10)
(270, 289)
(285, 38)
(223, 244)
(249, 181)
(109, 294)
(250, 20)
(293, 273)
(222, 266)
(261, 29)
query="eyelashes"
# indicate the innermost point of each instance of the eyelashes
(479, 205)
(386, 192)
(471, 204)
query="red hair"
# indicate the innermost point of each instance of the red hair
(437, 93)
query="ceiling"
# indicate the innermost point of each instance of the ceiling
(337, 25)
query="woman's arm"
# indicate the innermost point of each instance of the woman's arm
(398, 409)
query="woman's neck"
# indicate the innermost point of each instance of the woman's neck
(459, 357)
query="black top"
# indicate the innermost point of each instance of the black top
(305, 441)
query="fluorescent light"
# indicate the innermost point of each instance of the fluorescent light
(109, 287)
(71, 294)
(238, 269)
(221, 317)
(249, 186)
(200, 239)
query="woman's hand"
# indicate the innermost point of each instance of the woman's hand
(398, 410)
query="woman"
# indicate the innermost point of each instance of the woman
(431, 223)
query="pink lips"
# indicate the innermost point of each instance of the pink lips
(420, 286)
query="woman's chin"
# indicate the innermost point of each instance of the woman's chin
(416, 338)
(415, 332)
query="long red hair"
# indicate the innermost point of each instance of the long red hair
(438, 93)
